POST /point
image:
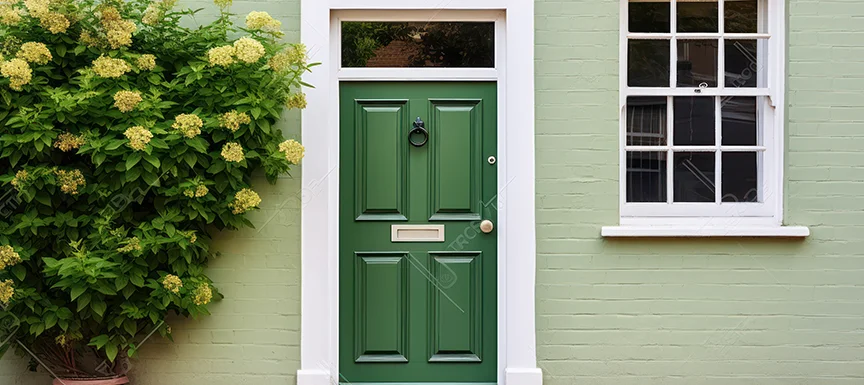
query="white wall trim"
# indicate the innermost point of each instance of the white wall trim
(319, 343)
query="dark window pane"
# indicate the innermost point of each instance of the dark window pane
(648, 63)
(740, 177)
(742, 64)
(739, 121)
(649, 16)
(741, 16)
(697, 63)
(697, 16)
(693, 180)
(694, 120)
(646, 121)
(418, 44)
(646, 176)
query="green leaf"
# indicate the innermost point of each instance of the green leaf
(152, 160)
(98, 341)
(77, 290)
(111, 352)
(98, 307)
(19, 271)
(132, 160)
(60, 49)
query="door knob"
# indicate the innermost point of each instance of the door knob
(486, 226)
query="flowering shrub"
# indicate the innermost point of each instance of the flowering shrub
(126, 137)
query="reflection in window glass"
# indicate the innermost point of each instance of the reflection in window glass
(648, 63)
(693, 180)
(694, 120)
(742, 63)
(648, 16)
(740, 177)
(646, 176)
(418, 44)
(646, 121)
(739, 120)
(697, 63)
(741, 16)
(698, 16)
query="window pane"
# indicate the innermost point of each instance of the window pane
(693, 180)
(742, 64)
(740, 177)
(697, 63)
(418, 44)
(741, 16)
(697, 16)
(646, 176)
(694, 120)
(648, 63)
(648, 16)
(739, 121)
(646, 121)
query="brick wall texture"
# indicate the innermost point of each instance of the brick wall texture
(670, 312)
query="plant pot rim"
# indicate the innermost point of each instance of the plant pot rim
(98, 381)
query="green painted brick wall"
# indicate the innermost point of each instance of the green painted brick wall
(689, 312)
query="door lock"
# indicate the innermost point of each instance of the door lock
(491, 160)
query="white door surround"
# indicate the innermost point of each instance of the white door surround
(514, 74)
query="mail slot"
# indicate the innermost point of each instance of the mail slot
(417, 233)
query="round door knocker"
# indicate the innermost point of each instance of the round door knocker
(418, 130)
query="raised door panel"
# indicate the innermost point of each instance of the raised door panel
(381, 156)
(455, 307)
(381, 307)
(455, 149)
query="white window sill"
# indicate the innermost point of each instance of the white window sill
(704, 231)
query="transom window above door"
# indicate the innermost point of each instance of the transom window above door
(456, 44)
(701, 126)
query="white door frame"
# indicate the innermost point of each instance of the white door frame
(514, 74)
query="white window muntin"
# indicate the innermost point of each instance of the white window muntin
(767, 91)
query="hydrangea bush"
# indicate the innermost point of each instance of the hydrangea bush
(126, 137)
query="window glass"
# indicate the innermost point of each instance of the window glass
(418, 44)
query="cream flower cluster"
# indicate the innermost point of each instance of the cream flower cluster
(126, 101)
(221, 56)
(8, 257)
(9, 15)
(6, 291)
(107, 67)
(172, 283)
(188, 124)
(133, 244)
(244, 200)
(232, 152)
(248, 50)
(156, 11)
(198, 192)
(222, 3)
(54, 22)
(70, 180)
(245, 49)
(18, 72)
(34, 53)
(203, 294)
(293, 56)
(68, 142)
(146, 62)
(138, 137)
(297, 100)
(118, 31)
(20, 179)
(293, 150)
(190, 235)
(262, 21)
(233, 119)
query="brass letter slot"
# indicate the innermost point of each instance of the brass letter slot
(417, 233)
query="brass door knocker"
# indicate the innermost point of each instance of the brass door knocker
(418, 130)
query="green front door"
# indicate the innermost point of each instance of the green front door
(417, 276)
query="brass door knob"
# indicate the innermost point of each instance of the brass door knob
(486, 226)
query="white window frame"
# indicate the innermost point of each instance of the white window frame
(713, 219)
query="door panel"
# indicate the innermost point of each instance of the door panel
(381, 160)
(456, 159)
(419, 311)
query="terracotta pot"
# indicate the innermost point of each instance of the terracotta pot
(109, 381)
